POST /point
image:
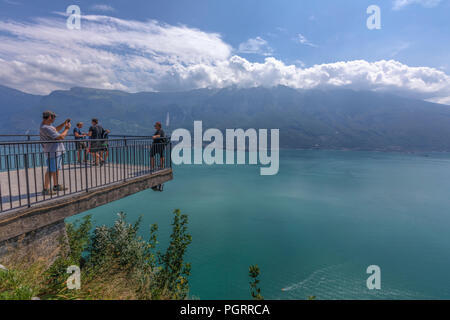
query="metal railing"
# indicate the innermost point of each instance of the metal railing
(84, 165)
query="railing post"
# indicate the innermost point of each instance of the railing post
(125, 159)
(86, 174)
(27, 179)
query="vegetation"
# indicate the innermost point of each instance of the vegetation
(254, 288)
(115, 263)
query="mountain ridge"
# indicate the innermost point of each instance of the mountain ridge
(327, 118)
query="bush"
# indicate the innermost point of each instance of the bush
(253, 272)
(115, 263)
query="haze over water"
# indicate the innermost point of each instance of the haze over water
(313, 229)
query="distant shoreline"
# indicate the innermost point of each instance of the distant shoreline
(416, 152)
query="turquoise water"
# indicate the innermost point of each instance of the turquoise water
(313, 229)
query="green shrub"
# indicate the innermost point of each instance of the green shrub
(254, 288)
(172, 275)
(115, 263)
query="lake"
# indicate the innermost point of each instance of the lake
(313, 229)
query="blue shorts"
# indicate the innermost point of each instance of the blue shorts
(54, 164)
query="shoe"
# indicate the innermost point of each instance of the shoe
(47, 192)
(59, 188)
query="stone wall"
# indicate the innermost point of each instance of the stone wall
(40, 244)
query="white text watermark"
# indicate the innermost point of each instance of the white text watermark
(213, 153)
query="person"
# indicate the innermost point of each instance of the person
(105, 146)
(96, 132)
(158, 145)
(53, 150)
(80, 144)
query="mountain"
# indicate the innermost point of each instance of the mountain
(329, 119)
(14, 106)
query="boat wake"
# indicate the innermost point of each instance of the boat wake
(318, 277)
(338, 282)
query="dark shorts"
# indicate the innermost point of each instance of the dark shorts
(157, 149)
(80, 145)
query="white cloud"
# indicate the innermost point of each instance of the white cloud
(303, 40)
(102, 8)
(399, 48)
(299, 63)
(442, 100)
(419, 82)
(400, 4)
(256, 46)
(129, 55)
(12, 2)
(106, 53)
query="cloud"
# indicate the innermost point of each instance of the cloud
(384, 75)
(256, 46)
(102, 8)
(106, 53)
(400, 4)
(442, 100)
(302, 40)
(12, 2)
(111, 53)
(399, 48)
(299, 63)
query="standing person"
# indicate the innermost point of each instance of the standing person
(158, 145)
(53, 150)
(97, 133)
(80, 144)
(105, 145)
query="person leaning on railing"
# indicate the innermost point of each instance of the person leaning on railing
(53, 150)
(158, 145)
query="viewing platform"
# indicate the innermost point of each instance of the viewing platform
(25, 209)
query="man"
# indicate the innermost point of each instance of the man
(53, 150)
(97, 133)
(158, 145)
(105, 146)
(80, 145)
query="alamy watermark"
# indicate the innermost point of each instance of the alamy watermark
(374, 20)
(258, 147)
(374, 280)
(74, 280)
(74, 20)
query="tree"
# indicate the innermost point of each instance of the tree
(255, 290)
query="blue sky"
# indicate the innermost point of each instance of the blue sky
(305, 34)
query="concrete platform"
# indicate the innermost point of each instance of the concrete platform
(76, 178)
